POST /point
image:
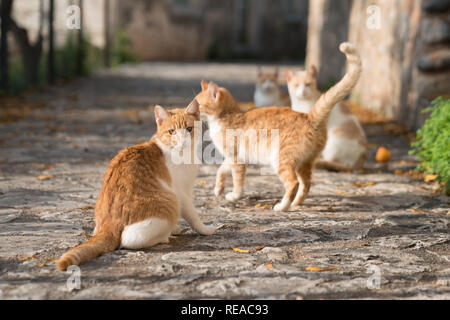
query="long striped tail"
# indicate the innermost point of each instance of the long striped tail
(102, 242)
(322, 108)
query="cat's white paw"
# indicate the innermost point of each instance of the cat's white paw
(232, 196)
(281, 206)
(208, 230)
(218, 191)
(176, 231)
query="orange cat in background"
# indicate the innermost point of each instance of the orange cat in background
(302, 136)
(145, 191)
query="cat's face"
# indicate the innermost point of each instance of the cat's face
(303, 84)
(213, 100)
(176, 127)
(267, 81)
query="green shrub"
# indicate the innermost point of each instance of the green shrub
(122, 51)
(432, 147)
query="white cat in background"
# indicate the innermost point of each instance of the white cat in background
(346, 146)
(268, 92)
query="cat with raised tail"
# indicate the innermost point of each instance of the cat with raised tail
(146, 189)
(268, 92)
(346, 146)
(301, 136)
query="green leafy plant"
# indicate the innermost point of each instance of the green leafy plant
(432, 147)
(122, 51)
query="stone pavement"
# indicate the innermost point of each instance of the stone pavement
(360, 236)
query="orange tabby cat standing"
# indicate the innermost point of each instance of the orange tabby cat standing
(302, 136)
(145, 191)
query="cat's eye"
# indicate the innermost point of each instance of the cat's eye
(171, 132)
(189, 129)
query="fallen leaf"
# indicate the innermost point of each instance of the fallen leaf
(317, 269)
(201, 182)
(330, 209)
(327, 230)
(359, 184)
(431, 177)
(269, 265)
(89, 207)
(416, 210)
(87, 235)
(50, 259)
(258, 248)
(27, 258)
(241, 250)
(399, 172)
(266, 206)
(40, 265)
(45, 177)
(258, 205)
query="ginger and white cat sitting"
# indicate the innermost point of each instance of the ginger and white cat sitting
(346, 146)
(145, 190)
(268, 92)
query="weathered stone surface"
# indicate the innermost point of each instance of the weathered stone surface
(436, 6)
(342, 230)
(436, 61)
(435, 31)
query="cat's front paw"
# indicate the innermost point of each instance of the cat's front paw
(232, 196)
(218, 191)
(281, 206)
(176, 231)
(208, 230)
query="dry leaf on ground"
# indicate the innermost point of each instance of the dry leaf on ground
(45, 177)
(241, 250)
(89, 207)
(416, 210)
(317, 269)
(431, 177)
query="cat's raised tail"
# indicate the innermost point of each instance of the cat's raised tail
(320, 112)
(101, 243)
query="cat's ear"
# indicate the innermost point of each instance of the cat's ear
(289, 74)
(160, 115)
(204, 85)
(312, 71)
(193, 109)
(214, 91)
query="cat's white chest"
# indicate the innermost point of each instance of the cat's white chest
(302, 106)
(182, 173)
(264, 99)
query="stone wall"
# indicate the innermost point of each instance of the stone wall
(201, 29)
(405, 56)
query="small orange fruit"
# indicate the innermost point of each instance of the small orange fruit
(383, 155)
